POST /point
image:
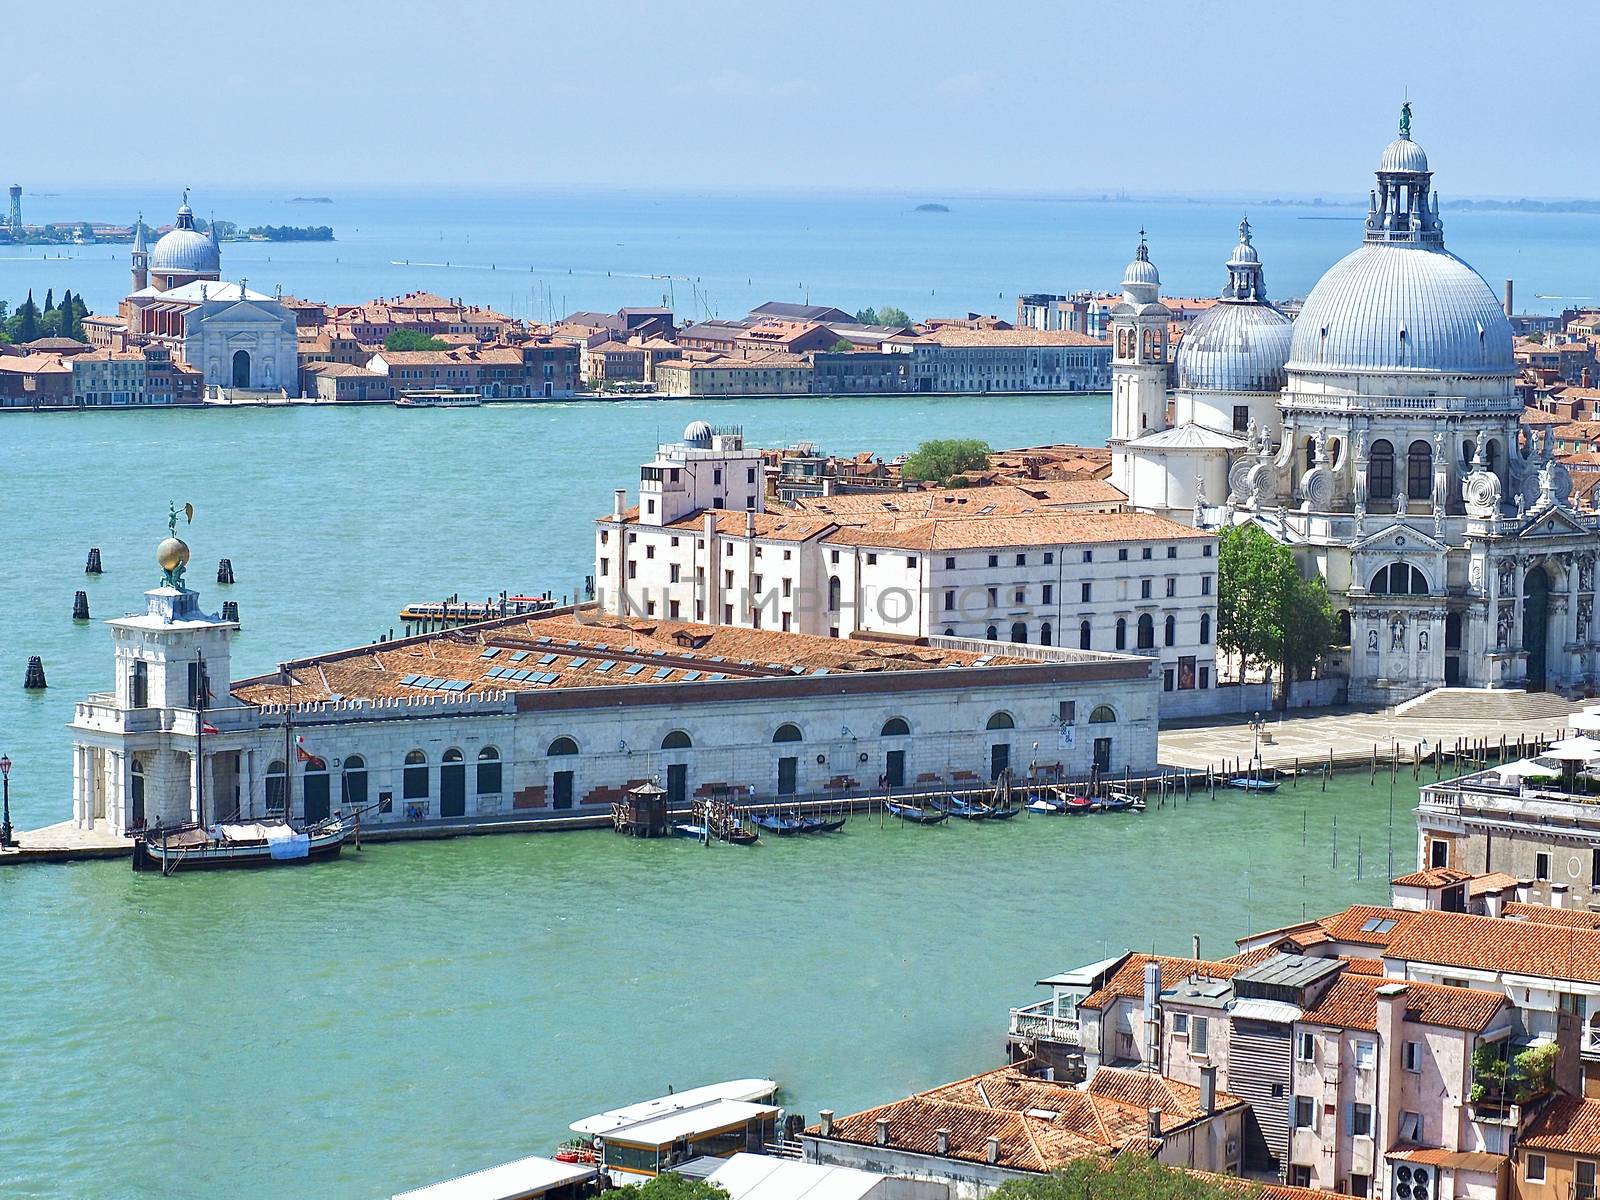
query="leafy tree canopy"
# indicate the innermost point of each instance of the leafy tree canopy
(943, 458)
(1267, 612)
(1128, 1177)
(670, 1186)
(842, 346)
(412, 339)
(887, 315)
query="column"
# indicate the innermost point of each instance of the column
(117, 808)
(195, 814)
(247, 794)
(81, 813)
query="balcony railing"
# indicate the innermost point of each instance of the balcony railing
(1042, 1020)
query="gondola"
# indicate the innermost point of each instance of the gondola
(1003, 814)
(1119, 801)
(821, 824)
(1078, 805)
(1044, 807)
(967, 810)
(739, 837)
(1246, 783)
(915, 813)
(687, 829)
(778, 824)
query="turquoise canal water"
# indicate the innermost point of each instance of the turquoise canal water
(413, 1011)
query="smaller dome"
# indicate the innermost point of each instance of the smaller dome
(1403, 154)
(1244, 255)
(698, 434)
(1141, 282)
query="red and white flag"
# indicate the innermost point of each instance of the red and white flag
(304, 755)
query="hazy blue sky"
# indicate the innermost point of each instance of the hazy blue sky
(1283, 97)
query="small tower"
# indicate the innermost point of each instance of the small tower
(135, 748)
(141, 257)
(1138, 359)
(15, 219)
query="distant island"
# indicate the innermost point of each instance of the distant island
(312, 200)
(289, 233)
(931, 208)
(1536, 206)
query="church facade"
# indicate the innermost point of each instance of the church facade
(238, 339)
(1380, 436)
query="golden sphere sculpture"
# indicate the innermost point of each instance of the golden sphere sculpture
(172, 554)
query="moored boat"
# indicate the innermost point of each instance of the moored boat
(821, 824)
(1118, 800)
(1249, 783)
(967, 810)
(1078, 805)
(1003, 814)
(914, 813)
(248, 844)
(777, 823)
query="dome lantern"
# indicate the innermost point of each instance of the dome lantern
(1141, 282)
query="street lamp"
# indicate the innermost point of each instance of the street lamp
(5, 789)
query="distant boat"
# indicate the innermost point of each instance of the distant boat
(931, 208)
(914, 813)
(1246, 783)
(439, 400)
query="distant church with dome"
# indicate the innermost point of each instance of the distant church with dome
(1379, 435)
(238, 339)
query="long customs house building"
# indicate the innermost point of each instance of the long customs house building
(559, 714)
(1031, 571)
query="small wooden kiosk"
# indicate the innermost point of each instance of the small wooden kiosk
(644, 812)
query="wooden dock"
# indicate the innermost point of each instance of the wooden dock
(64, 842)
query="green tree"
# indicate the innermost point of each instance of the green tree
(49, 299)
(867, 316)
(412, 339)
(942, 459)
(670, 1186)
(1267, 612)
(1127, 1177)
(890, 315)
(842, 346)
(24, 324)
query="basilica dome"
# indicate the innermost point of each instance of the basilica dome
(1242, 343)
(184, 250)
(1401, 303)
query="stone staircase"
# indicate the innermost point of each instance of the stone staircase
(1487, 704)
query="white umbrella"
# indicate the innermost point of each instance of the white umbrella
(1574, 750)
(1525, 767)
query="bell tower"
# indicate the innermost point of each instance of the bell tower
(1138, 360)
(141, 257)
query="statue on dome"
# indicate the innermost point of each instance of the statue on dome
(1405, 120)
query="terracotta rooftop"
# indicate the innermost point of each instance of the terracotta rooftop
(781, 526)
(1351, 1002)
(1543, 914)
(1433, 877)
(1021, 497)
(1494, 881)
(1128, 980)
(1497, 944)
(1566, 1124)
(567, 649)
(1040, 1124)
(1011, 530)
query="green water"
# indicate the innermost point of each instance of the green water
(413, 1011)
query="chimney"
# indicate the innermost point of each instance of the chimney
(750, 523)
(1196, 954)
(1524, 890)
(619, 497)
(826, 1117)
(1208, 1090)
(992, 1151)
(883, 1132)
(1491, 904)
(944, 1142)
(1152, 1033)
(1558, 895)
(1583, 377)
(1509, 307)
(1154, 1117)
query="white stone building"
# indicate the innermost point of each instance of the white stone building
(1058, 571)
(558, 714)
(1382, 440)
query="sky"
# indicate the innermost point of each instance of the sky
(1238, 99)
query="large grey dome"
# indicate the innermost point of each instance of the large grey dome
(1235, 348)
(184, 250)
(1403, 154)
(1402, 307)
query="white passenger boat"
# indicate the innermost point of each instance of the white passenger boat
(438, 400)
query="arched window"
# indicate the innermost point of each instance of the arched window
(562, 745)
(1344, 627)
(895, 727)
(833, 593)
(1399, 579)
(414, 778)
(1491, 456)
(1103, 714)
(453, 784)
(1001, 720)
(1333, 453)
(677, 740)
(787, 733)
(1380, 470)
(1044, 634)
(314, 791)
(1122, 633)
(1083, 635)
(1205, 629)
(992, 634)
(1468, 447)
(1169, 631)
(949, 632)
(353, 783)
(489, 771)
(1419, 470)
(1147, 632)
(1019, 631)
(135, 793)
(1311, 453)
(277, 779)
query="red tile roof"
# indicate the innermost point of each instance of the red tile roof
(1497, 944)
(1566, 1124)
(1128, 980)
(1351, 1002)
(1433, 877)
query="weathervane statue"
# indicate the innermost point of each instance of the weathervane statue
(1405, 120)
(172, 555)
